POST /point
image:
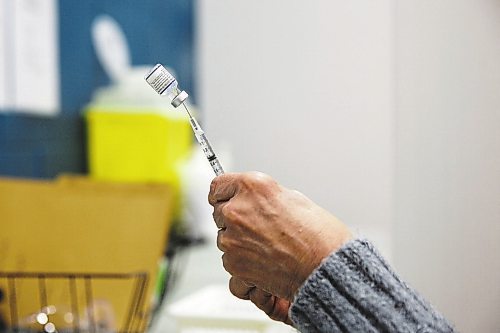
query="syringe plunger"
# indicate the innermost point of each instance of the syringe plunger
(165, 83)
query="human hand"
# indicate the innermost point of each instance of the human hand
(272, 237)
(276, 308)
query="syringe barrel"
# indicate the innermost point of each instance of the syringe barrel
(217, 167)
(209, 153)
(165, 83)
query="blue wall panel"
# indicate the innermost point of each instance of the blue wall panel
(41, 147)
(156, 30)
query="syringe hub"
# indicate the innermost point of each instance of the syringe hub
(165, 83)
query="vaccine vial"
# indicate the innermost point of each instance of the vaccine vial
(165, 84)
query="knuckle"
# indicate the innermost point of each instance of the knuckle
(211, 193)
(299, 195)
(239, 289)
(269, 310)
(218, 218)
(226, 263)
(213, 185)
(229, 212)
(218, 241)
(257, 179)
(221, 241)
(234, 290)
(230, 264)
(256, 297)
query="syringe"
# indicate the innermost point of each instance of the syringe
(165, 84)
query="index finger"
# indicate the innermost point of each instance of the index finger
(223, 188)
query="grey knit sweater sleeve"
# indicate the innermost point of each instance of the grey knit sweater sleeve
(355, 290)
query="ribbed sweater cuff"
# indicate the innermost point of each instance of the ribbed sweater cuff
(355, 290)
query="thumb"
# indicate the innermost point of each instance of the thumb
(223, 188)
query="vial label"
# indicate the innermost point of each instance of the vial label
(160, 79)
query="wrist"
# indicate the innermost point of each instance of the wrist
(324, 245)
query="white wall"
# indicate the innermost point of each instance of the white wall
(304, 93)
(386, 113)
(447, 230)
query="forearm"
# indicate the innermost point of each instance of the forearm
(355, 290)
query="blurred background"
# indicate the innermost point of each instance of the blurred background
(387, 114)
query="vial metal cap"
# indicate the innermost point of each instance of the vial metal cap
(179, 99)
